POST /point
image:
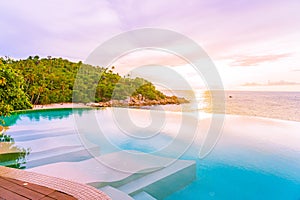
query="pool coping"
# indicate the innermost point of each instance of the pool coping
(77, 190)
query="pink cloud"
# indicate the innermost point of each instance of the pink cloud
(270, 83)
(256, 60)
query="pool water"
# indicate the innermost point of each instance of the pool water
(254, 159)
(222, 181)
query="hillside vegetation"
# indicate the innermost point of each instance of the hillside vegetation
(35, 80)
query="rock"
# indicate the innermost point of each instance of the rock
(93, 104)
(139, 100)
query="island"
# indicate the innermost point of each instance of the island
(34, 81)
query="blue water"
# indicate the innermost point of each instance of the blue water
(222, 181)
(238, 171)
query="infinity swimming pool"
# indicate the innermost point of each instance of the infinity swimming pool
(255, 158)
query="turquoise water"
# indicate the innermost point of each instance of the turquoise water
(238, 168)
(222, 181)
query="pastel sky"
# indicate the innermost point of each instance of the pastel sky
(254, 44)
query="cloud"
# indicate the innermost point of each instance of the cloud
(246, 61)
(71, 28)
(295, 70)
(74, 27)
(271, 83)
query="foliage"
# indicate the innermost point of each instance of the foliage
(51, 80)
(10, 154)
(12, 95)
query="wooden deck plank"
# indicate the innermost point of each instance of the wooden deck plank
(6, 194)
(31, 186)
(46, 198)
(15, 189)
(60, 195)
(18, 184)
(20, 190)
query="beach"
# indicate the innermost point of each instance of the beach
(60, 105)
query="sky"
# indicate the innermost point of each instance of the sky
(255, 45)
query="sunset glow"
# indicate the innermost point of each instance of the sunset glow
(252, 43)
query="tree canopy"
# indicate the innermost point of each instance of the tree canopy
(36, 80)
(12, 95)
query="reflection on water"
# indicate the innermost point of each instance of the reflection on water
(9, 121)
(279, 105)
(37, 115)
(12, 155)
(207, 102)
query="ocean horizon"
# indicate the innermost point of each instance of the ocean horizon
(269, 104)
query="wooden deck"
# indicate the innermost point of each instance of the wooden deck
(19, 184)
(15, 189)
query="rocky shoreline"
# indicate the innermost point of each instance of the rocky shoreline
(140, 101)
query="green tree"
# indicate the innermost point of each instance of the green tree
(51, 80)
(12, 95)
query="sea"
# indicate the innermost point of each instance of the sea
(275, 105)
